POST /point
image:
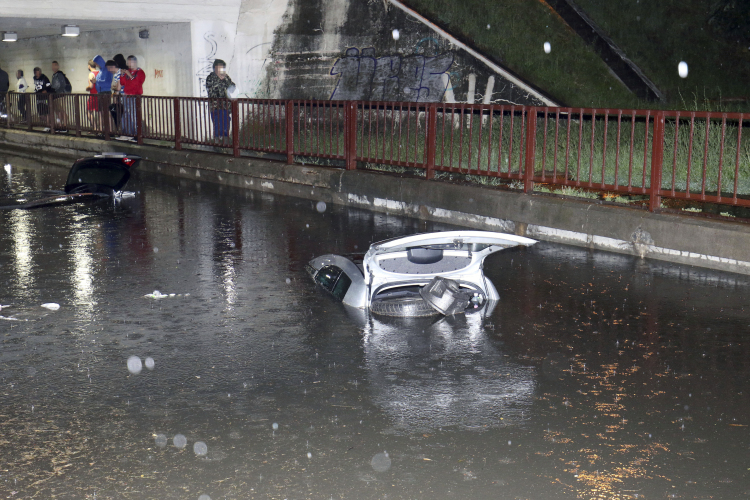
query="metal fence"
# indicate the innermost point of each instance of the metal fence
(682, 155)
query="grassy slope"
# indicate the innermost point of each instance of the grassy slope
(667, 32)
(657, 35)
(572, 73)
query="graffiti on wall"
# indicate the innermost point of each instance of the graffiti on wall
(364, 77)
(205, 64)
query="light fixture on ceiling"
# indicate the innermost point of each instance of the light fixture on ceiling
(70, 30)
(10, 36)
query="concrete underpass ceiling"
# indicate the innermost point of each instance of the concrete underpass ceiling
(39, 27)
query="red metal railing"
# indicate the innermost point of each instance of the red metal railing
(699, 157)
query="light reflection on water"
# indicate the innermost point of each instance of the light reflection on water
(595, 376)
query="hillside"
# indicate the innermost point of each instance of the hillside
(654, 35)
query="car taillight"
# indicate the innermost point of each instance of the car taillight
(128, 161)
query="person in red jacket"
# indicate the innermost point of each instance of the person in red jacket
(131, 80)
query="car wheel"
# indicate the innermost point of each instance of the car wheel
(403, 307)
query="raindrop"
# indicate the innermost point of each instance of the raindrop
(396, 34)
(204, 497)
(307, 225)
(275, 426)
(179, 441)
(381, 462)
(150, 363)
(51, 306)
(682, 69)
(288, 281)
(321, 206)
(160, 440)
(547, 48)
(200, 448)
(309, 455)
(488, 26)
(134, 365)
(509, 443)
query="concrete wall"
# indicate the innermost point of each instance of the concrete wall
(346, 49)
(303, 49)
(164, 56)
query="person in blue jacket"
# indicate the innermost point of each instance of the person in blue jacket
(104, 85)
(104, 78)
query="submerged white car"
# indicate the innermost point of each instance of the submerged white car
(417, 275)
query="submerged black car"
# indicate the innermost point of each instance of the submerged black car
(95, 177)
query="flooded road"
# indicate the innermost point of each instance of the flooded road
(595, 376)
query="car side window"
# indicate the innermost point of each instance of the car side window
(327, 277)
(334, 280)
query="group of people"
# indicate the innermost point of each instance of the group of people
(118, 76)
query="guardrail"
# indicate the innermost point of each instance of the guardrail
(681, 155)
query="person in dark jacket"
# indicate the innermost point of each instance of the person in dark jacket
(61, 86)
(217, 85)
(4, 86)
(42, 87)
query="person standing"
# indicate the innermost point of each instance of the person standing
(92, 105)
(116, 108)
(131, 80)
(61, 86)
(4, 87)
(217, 85)
(21, 88)
(42, 87)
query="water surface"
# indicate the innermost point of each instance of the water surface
(595, 376)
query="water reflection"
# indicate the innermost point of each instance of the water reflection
(22, 230)
(440, 372)
(81, 248)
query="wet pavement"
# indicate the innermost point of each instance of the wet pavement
(595, 376)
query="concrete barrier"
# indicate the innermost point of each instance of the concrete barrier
(714, 244)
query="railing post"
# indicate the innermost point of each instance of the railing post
(289, 117)
(431, 145)
(138, 120)
(657, 161)
(177, 128)
(77, 104)
(106, 115)
(27, 107)
(50, 112)
(350, 134)
(236, 128)
(530, 151)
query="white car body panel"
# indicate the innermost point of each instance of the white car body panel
(392, 264)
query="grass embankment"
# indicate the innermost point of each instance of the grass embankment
(513, 32)
(658, 35)
(654, 35)
(574, 150)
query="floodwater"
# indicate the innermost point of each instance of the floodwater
(595, 376)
